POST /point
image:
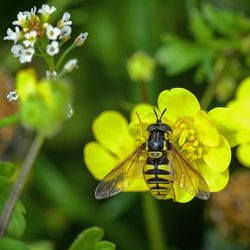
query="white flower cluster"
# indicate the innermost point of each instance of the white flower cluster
(34, 34)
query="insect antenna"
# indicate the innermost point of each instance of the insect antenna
(157, 119)
(163, 112)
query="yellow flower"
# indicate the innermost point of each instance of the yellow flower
(234, 122)
(113, 144)
(193, 134)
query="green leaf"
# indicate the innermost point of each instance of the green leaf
(5, 182)
(199, 28)
(224, 21)
(104, 245)
(17, 223)
(10, 244)
(89, 239)
(7, 169)
(178, 55)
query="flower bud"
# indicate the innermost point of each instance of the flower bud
(141, 67)
(79, 41)
(44, 104)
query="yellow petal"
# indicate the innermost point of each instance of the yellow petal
(207, 133)
(240, 113)
(98, 160)
(218, 159)
(111, 131)
(243, 152)
(225, 124)
(216, 181)
(139, 185)
(181, 195)
(243, 91)
(179, 103)
(100, 163)
(145, 112)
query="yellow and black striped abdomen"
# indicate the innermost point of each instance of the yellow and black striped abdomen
(156, 175)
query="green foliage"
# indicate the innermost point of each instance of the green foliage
(17, 223)
(220, 36)
(177, 55)
(90, 239)
(10, 244)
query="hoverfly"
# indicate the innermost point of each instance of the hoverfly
(162, 166)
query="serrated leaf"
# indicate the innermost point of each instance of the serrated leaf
(89, 239)
(11, 244)
(7, 169)
(17, 223)
(178, 55)
(104, 245)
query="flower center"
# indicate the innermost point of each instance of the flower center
(185, 138)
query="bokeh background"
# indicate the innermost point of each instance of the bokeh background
(59, 197)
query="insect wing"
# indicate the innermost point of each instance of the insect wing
(121, 176)
(186, 176)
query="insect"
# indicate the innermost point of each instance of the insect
(162, 166)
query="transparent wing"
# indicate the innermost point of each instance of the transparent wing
(186, 176)
(121, 176)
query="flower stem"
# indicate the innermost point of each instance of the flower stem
(153, 223)
(144, 92)
(6, 121)
(25, 170)
(210, 92)
(65, 53)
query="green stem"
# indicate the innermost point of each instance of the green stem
(208, 95)
(210, 92)
(9, 120)
(153, 223)
(18, 186)
(65, 53)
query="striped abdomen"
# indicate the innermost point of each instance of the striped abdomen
(156, 175)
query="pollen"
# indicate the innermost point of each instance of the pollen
(185, 138)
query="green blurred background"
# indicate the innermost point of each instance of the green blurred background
(59, 197)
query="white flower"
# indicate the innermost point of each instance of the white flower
(46, 10)
(53, 48)
(52, 32)
(26, 55)
(70, 65)
(12, 96)
(21, 19)
(65, 19)
(50, 75)
(13, 35)
(16, 50)
(31, 38)
(65, 32)
(79, 41)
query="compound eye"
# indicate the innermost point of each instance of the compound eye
(164, 127)
(151, 127)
